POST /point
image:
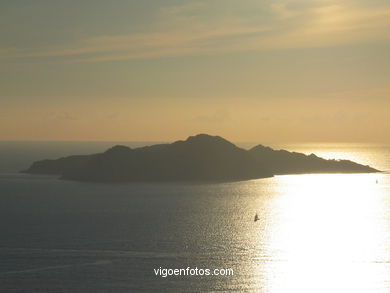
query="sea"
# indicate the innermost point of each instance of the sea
(315, 233)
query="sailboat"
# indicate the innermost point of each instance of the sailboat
(256, 218)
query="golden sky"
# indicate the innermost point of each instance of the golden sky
(274, 71)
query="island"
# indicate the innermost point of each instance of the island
(198, 158)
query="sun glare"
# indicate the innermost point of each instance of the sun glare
(326, 232)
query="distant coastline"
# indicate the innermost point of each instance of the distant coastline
(199, 158)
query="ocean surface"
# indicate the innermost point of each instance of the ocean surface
(316, 233)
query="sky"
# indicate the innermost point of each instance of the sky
(247, 70)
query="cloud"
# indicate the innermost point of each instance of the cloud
(147, 45)
(330, 23)
(198, 28)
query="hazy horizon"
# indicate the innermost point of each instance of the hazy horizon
(266, 143)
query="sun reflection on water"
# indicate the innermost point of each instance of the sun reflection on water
(326, 233)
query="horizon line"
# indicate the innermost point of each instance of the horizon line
(170, 141)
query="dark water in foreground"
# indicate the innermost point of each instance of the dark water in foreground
(317, 233)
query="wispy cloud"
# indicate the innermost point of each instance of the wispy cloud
(191, 29)
(146, 45)
(330, 23)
